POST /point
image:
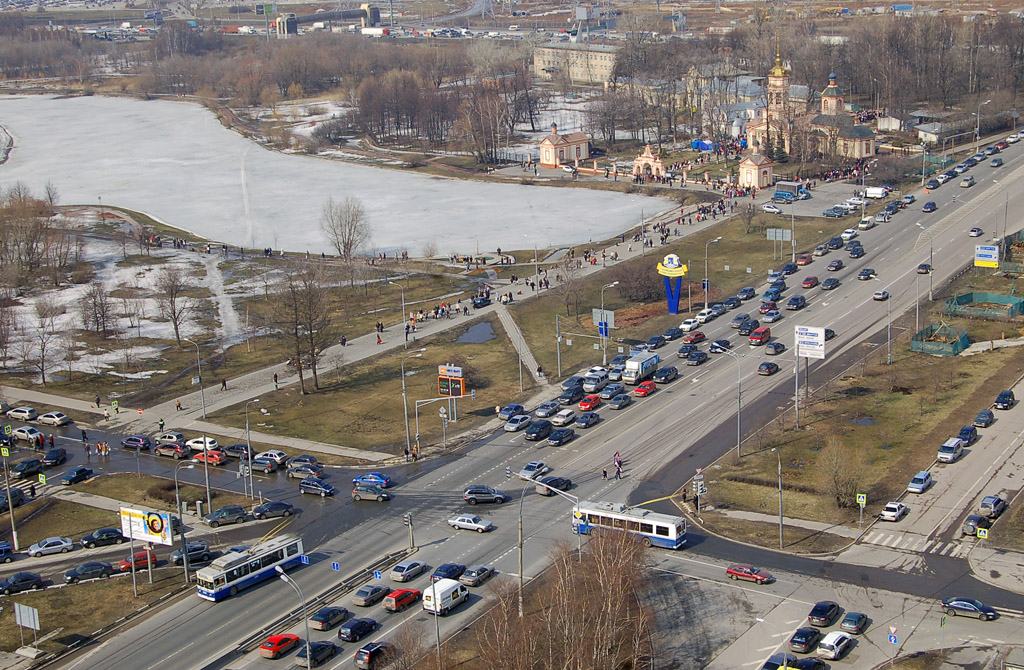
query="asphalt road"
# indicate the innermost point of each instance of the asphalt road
(662, 438)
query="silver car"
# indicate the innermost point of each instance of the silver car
(51, 545)
(470, 522)
(406, 570)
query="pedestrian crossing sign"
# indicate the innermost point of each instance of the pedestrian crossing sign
(983, 533)
(5, 452)
(42, 478)
(8, 429)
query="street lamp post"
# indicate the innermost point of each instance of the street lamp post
(405, 402)
(604, 338)
(707, 278)
(177, 504)
(931, 268)
(305, 619)
(977, 131)
(206, 450)
(792, 231)
(405, 317)
(779, 455)
(1006, 212)
(248, 448)
(739, 402)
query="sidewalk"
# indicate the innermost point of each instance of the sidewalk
(816, 526)
(998, 567)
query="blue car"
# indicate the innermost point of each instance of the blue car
(316, 487)
(376, 478)
(509, 411)
(929, 206)
(447, 571)
(772, 295)
(587, 419)
(789, 269)
(561, 436)
(746, 293)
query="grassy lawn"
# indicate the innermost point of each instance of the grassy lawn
(42, 518)
(155, 493)
(795, 539)
(362, 406)
(80, 610)
(1008, 533)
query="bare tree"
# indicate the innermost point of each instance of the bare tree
(8, 326)
(570, 286)
(840, 471)
(301, 310)
(52, 197)
(176, 305)
(96, 310)
(47, 310)
(346, 228)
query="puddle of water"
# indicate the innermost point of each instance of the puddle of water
(477, 334)
(864, 421)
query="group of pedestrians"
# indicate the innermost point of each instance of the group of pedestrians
(617, 462)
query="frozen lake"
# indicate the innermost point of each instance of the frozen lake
(176, 162)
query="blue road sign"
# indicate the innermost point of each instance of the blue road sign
(893, 639)
(377, 574)
(304, 559)
(602, 328)
(335, 566)
(704, 284)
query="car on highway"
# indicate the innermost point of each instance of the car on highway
(796, 302)
(534, 469)
(354, 630)
(55, 456)
(774, 348)
(893, 511)
(264, 465)
(22, 413)
(136, 442)
(213, 457)
(667, 373)
(771, 208)
(564, 418)
(51, 545)
(984, 418)
(865, 274)
(198, 552)
(407, 570)
(326, 618)
(509, 411)
(21, 581)
(705, 315)
(571, 396)
(835, 243)
(277, 645)
(367, 492)
(476, 575)
(776, 661)
(620, 401)
(54, 419)
(748, 573)
(545, 485)
(75, 475)
(173, 450)
(767, 306)
(26, 434)
(592, 383)
(275, 455)
(967, 182)
(823, 614)
(771, 295)
(587, 419)
(694, 337)
(969, 434)
(612, 390)
(772, 315)
(88, 570)
(749, 326)
(746, 293)
(717, 347)
(739, 320)
(672, 333)
(920, 482)
(929, 207)
(973, 522)
(804, 640)
(225, 515)
(834, 645)
(571, 382)
(992, 506)
(202, 444)
(479, 493)
(821, 250)
(975, 232)
(646, 388)
(400, 599)
(27, 468)
(517, 423)
(561, 436)
(141, 560)
(318, 653)
(272, 509)
(996, 162)
(1005, 400)
(590, 402)
(854, 622)
(615, 373)
(789, 269)
(655, 342)
(856, 252)
(102, 537)
(830, 284)
(880, 295)
(686, 350)
(305, 470)
(538, 430)
(767, 368)
(470, 522)
(447, 571)
(688, 325)
(369, 594)
(968, 607)
(301, 459)
(933, 184)
(833, 266)
(696, 358)
(546, 409)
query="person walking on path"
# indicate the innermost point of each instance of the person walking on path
(407, 454)
(51, 440)
(97, 401)
(275, 382)
(177, 405)
(161, 424)
(85, 439)
(379, 341)
(32, 490)
(223, 384)
(106, 415)
(617, 459)
(604, 474)
(618, 471)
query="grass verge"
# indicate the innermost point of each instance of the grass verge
(42, 518)
(155, 493)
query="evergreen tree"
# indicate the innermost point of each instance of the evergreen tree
(780, 151)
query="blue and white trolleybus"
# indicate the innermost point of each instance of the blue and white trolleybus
(652, 528)
(234, 571)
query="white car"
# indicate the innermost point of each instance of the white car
(197, 444)
(1013, 139)
(517, 422)
(406, 570)
(771, 208)
(275, 455)
(880, 295)
(55, 419)
(470, 522)
(849, 234)
(834, 645)
(688, 325)
(170, 437)
(857, 201)
(22, 413)
(564, 418)
(973, 232)
(568, 168)
(534, 469)
(894, 511)
(705, 315)
(51, 545)
(26, 433)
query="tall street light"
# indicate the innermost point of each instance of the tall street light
(1006, 212)
(206, 446)
(779, 454)
(792, 230)
(305, 619)
(931, 267)
(739, 401)
(405, 402)
(536, 258)
(888, 328)
(248, 448)
(188, 465)
(405, 317)
(977, 131)
(707, 279)
(604, 338)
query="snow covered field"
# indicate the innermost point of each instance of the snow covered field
(176, 162)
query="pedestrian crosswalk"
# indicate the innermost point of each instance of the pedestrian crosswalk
(919, 544)
(26, 486)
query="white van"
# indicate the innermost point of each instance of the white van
(595, 381)
(443, 596)
(875, 192)
(867, 223)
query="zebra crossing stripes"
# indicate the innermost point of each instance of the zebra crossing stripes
(919, 545)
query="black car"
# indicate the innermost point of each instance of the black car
(560, 483)
(804, 640)
(672, 334)
(686, 350)
(666, 374)
(481, 301)
(21, 581)
(829, 284)
(732, 302)
(102, 537)
(27, 468)
(749, 326)
(273, 508)
(571, 396)
(823, 614)
(810, 664)
(856, 252)
(929, 207)
(776, 661)
(1005, 400)
(866, 274)
(316, 486)
(696, 358)
(326, 617)
(319, 652)
(984, 418)
(90, 570)
(789, 269)
(720, 346)
(374, 655)
(539, 429)
(962, 607)
(618, 360)
(577, 381)
(356, 629)
(829, 334)
(447, 571)
(561, 436)
(655, 342)
(198, 552)
(932, 184)
(835, 243)
(746, 293)
(75, 475)
(969, 434)
(241, 451)
(55, 456)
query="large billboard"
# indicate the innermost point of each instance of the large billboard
(810, 341)
(152, 527)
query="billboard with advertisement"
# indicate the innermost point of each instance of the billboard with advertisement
(810, 341)
(986, 256)
(151, 527)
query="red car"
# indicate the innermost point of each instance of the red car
(645, 389)
(275, 645)
(142, 559)
(398, 600)
(804, 259)
(1001, 145)
(810, 282)
(590, 402)
(694, 337)
(215, 456)
(749, 573)
(767, 306)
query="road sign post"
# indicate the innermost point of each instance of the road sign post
(862, 500)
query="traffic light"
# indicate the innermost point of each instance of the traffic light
(407, 519)
(473, 394)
